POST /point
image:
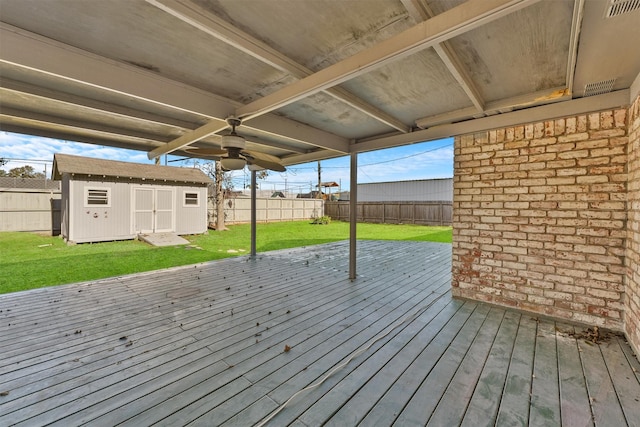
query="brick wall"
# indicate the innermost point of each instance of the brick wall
(632, 300)
(540, 217)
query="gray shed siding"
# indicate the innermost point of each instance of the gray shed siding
(120, 219)
(64, 207)
(100, 223)
(193, 219)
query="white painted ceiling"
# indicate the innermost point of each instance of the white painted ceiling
(311, 79)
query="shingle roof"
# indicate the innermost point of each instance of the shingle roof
(87, 166)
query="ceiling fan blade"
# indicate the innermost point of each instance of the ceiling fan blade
(262, 156)
(276, 167)
(268, 165)
(266, 161)
(207, 151)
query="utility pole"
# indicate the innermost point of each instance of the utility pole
(319, 180)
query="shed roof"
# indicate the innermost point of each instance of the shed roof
(329, 184)
(87, 166)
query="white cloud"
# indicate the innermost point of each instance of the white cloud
(38, 152)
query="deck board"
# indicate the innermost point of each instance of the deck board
(574, 398)
(427, 396)
(514, 405)
(466, 377)
(602, 395)
(205, 345)
(482, 408)
(625, 384)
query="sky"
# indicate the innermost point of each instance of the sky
(425, 160)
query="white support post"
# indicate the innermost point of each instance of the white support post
(253, 214)
(353, 216)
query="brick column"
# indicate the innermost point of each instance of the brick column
(540, 217)
(632, 297)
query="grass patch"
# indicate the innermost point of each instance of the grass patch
(29, 261)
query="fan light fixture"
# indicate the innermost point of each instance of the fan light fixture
(234, 144)
(255, 168)
(233, 156)
(232, 164)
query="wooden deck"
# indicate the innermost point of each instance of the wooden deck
(207, 345)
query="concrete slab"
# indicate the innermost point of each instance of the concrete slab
(163, 239)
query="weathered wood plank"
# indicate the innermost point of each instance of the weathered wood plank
(574, 399)
(375, 360)
(361, 401)
(281, 364)
(315, 356)
(70, 373)
(466, 377)
(627, 386)
(387, 409)
(545, 391)
(427, 396)
(483, 406)
(602, 395)
(56, 406)
(277, 361)
(514, 405)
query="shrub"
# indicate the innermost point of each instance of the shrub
(325, 219)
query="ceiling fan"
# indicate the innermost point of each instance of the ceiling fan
(233, 155)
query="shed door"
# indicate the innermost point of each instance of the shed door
(164, 210)
(153, 210)
(143, 210)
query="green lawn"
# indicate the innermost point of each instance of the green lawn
(30, 261)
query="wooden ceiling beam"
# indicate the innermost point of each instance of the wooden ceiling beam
(546, 96)
(32, 52)
(18, 115)
(527, 115)
(576, 25)
(93, 105)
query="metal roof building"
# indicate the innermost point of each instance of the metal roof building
(421, 190)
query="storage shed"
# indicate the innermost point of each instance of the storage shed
(110, 200)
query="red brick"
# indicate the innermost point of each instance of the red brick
(549, 206)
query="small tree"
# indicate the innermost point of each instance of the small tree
(223, 184)
(219, 179)
(25, 172)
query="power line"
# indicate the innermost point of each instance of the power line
(375, 163)
(13, 159)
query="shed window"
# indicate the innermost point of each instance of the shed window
(191, 199)
(98, 197)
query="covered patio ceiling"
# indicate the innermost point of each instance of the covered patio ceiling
(311, 80)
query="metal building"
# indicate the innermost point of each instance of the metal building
(421, 190)
(109, 200)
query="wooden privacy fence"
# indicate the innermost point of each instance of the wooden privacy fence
(26, 209)
(238, 210)
(422, 213)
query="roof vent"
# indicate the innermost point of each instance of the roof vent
(619, 7)
(598, 88)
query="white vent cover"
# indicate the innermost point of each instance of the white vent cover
(619, 7)
(598, 88)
